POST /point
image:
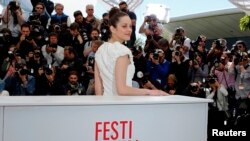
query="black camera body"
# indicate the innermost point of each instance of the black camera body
(156, 55)
(57, 27)
(34, 18)
(48, 71)
(13, 6)
(11, 55)
(28, 38)
(194, 88)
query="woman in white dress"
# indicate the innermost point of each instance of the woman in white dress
(114, 67)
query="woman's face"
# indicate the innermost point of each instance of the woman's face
(39, 9)
(123, 29)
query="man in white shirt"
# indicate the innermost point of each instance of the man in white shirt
(53, 53)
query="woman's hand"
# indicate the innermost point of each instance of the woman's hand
(157, 93)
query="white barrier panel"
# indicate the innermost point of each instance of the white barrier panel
(97, 118)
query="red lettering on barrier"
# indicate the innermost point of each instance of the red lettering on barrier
(114, 130)
(123, 128)
(113, 127)
(130, 129)
(105, 130)
(97, 130)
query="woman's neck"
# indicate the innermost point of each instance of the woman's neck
(113, 39)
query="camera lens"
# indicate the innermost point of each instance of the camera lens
(156, 56)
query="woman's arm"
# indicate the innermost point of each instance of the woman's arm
(98, 82)
(120, 77)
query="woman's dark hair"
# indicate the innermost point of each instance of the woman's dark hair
(114, 16)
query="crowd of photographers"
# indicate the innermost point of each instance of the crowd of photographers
(50, 55)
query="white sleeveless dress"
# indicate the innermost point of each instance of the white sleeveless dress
(106, 57)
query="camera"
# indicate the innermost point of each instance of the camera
(48, 71)
(13, 6)
(105, 30)
(37, 54)
(34, 19)
(211, 79)
(28, 38)
(24, 72)
(136, 50)
(149, 19)
(53, 45)
(57, 28)
(5, 37)
(73, 91)
(194, 88)
(156, 55)
(177, 53)
(91, 61)
(149, 37)
(11, 55)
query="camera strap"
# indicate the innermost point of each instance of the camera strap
(224, 76)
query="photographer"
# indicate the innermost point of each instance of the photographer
(52, 52)
(26, 42)
(12, 63)
(179, 39)
(171, 86)
(59, 21)
(13, 18)
(75, 39)
(70, 62)
(94, 35)
(124, 7)
(179, 68)
(217, 113)
(5, 42)
(153, 30)
(158, 67)
(104, 27)
(49, 82)
(35, 60)
(139, 61)
(39, 15)
(23, 83)
(242, 82)
(73, 87)
(195, 89)
(198, 70)
(84, 27)
(146, 82)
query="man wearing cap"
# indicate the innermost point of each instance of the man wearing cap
(124, 7)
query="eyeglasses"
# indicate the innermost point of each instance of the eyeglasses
(90, 9)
